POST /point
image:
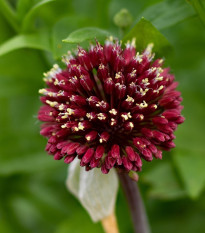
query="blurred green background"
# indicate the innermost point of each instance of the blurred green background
(33, 197)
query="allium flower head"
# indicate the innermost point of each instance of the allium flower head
(110, 107)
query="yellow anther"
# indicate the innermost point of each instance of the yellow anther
(133, 42)
(159, 78)
(63, 126)
(70, 111)
(88, 115)
(118, 75)
(113, 121)
(146, 81)
(75, 129)
(101, 66)
(101, 116)
(60, 93)
(56, 82)
(88, 138)
(143, 104)
(113, 111)
(152, 69)
(143, 92)
(42, 91)
(50, 74)
(80, 126)
(148, 50)
(131, 125)
(126, 116)
(159, 69)
(110, 38)
(132, 74)
(138, 57)
(159, 89)
(52, 104)
(81, 53)
(61, 107)
(65, 116)
(141, 117)
(130, 99)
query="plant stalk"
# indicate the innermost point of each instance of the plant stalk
(138, 213)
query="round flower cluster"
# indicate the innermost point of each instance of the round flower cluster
(110, 107)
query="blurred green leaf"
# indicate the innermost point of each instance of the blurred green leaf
(6, 30)
(97, 11)
(167, 13)
(31, 163)
(144, 33)
(190, 164)
(26, 24)
(163, 181)
(199, 8)
(23, 7)
(34, 41)
(71, 23)
(9, 14)
(4, 226)
(71, 225)
(86, 34)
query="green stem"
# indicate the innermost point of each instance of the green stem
(9, 14)
(199, 8)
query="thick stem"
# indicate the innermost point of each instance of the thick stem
(138, 214)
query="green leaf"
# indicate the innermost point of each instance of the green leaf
(144, 33)
(168, 13)
(86, 34)
(6, 31)
(29, 16)
(34, 41)
(163, 181)
(190, 164)
(22, 8)
(32, 163)
(71, 224)
(9, 14)
(199, 8)
(58, 33)
(4, 226)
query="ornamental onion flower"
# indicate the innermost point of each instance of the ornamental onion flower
(110, 107)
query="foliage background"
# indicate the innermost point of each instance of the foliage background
(33, 197)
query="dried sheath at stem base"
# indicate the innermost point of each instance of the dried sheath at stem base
(110, 224)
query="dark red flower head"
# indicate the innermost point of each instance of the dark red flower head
(110, 107)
